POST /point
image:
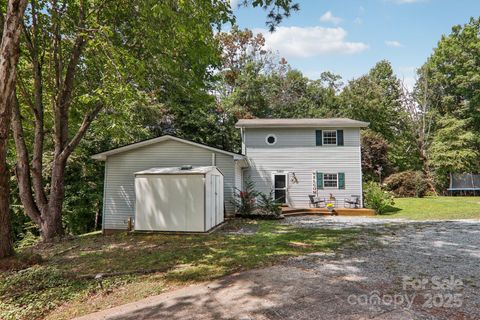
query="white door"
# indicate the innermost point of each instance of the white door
(280, 187)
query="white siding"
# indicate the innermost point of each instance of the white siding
(295, 152)
(295, 137)
(238, 177)
(119, 198)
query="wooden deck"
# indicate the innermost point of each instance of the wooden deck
(287, 211)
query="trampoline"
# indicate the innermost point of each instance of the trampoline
(464, 183)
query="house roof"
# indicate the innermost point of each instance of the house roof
(103, 155)
(178, 170)
(300, 123)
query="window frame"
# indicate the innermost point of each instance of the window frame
(273, 136)
(329, 144)
(336, 180)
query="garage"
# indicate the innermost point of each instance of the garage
(182, 199)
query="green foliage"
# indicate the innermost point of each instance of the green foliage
(374, 197)
(245, 200)
(268, 206)
(34, 292)
(277, 10)
(453, 74)
(453, 148)
(250, 202)
(375, 163)
(407, 184)
(376, 98)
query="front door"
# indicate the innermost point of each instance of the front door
(280, 187)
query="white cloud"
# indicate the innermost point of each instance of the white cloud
(393, 43)
(234, 4)
(330, 18)
(358, 20)
(304, 42)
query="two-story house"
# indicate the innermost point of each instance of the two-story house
(297, 157)
(293, 158)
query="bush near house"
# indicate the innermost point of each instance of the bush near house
(407, 184)
(374, 197)
(250, 203)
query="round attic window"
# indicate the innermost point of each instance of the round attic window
(271, 139)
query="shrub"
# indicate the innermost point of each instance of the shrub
(255, 204)
(407, 184)
(267, 205)
(376, 198)
(245, 200)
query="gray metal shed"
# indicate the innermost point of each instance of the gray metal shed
(186, 199)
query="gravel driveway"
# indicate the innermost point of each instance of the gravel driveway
(403, 270)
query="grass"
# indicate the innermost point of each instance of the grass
(435, 208)
(54, 289)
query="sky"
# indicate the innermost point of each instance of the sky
(348, 37)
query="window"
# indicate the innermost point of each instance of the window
(330, 180)
(330, 137)
(271, 139)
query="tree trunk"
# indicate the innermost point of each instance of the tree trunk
(8, 61)
(52, 226)
(425, 165)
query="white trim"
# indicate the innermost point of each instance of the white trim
(103, 155)
(330, 188)
(361, 174)
(104, 204)
(280, 173)
(329, 144)
(301, 123)
(273, 136)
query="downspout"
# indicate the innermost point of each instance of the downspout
(214, 159)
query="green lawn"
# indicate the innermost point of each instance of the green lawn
(435, 208)
(54, 289)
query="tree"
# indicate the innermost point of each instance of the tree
(421, 120)
(239, 48)
(376, 98)
(9, 55)
(375, 163)
(453, 74)
(447, 91)
(85, 58)
(148, 62)
(453, 149)
(277, 10)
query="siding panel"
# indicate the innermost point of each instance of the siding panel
(296, 137)
(119, 193)
(296, 153)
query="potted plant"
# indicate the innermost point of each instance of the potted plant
(330, 208)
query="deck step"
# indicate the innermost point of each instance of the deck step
(324, 211)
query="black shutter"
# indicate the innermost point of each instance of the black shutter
(318, 137)
(339, 137)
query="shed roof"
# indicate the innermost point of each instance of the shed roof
(103, 155)
(302, 123)
(179, 170)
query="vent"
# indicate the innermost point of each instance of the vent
(186, 167)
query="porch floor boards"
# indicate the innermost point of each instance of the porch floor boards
(287, 211)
